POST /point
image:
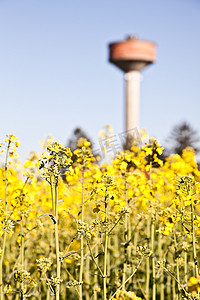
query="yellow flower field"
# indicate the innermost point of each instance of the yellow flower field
(72, 228)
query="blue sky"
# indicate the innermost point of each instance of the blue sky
(55, 74)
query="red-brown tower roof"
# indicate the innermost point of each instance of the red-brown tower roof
(132, 54)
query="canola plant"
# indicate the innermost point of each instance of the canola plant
(74, 229)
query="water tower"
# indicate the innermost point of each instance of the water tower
(132, 56)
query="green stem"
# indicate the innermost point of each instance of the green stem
(160, 258)
(51, 237)
(175, 280)
(87, 278)
(148, 263)
(52, 197)
(128, 278)
(6, 174)
(135, 241)
(105, 267)
(152, 239)
(105, 251)
(153, 259)
(5, 234)
(177, 264)
(116, 255)
(129, 232)
(126, 239)
(185, 267)
(96, 277)
(82, 242)
(194, 240)
(57, 243)
(1, 264)
(115, 224)
(108, 257)
(22, 251)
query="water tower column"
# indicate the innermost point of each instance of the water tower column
(132, 105)
(132, 56)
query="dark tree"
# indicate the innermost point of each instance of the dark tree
(77, 134)
(73, 145)
(182, 136)
(127, 145)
